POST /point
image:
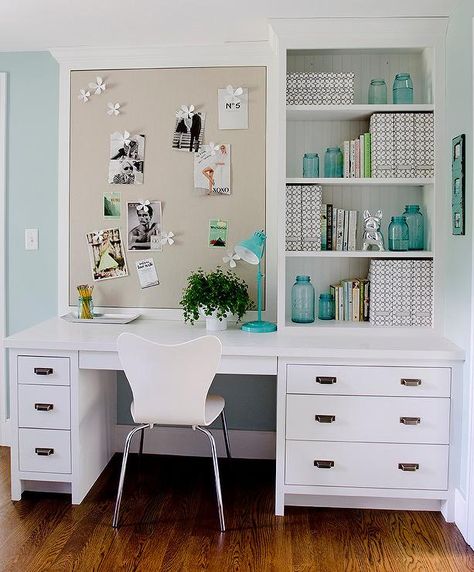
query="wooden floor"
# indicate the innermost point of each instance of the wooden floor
(169, 522)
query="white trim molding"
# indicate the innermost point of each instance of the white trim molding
(4, 437)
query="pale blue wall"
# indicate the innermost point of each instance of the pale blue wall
(460, 248)
(32, 167)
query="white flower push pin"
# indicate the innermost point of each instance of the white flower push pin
(84, 95)
(143, 206)
(167, 237)
(185, 112)
(98, 236)
(113, 108)
(212, 148)
(231, 259)
(98, 86)
(125, 138)
(232, 95)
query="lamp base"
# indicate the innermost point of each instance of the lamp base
(259, 327)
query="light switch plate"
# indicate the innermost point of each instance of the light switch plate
(31, 239)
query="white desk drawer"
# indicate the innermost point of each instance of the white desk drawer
(373, 419)
(44, 406)
(45, 450)
(367, 465)
(47, 370)
(365, 380)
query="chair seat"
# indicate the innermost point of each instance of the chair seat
(214, 406)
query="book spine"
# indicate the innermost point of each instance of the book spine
(357, 158)
(352, 159)
(340, 229)
(341, 301)
(347, 163)
(333, 292)
(355, 301)
(367, 155)
(352, 238)
(324, 227)
(329, 241)
(362, 155)
(334, 228)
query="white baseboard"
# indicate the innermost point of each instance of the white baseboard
(362, 502)
(460, 512)
(5, 428)
(185, 441)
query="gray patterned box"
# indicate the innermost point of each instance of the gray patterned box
(383, 159)
(404, 144)
(311, 201)
(402, 290)
(422, 299)
(320, 88)
(424, 144)
(293, 218)
(381, 303)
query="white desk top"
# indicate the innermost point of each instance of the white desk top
(57, 334)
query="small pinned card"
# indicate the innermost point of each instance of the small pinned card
(147, 274)
(233, 107)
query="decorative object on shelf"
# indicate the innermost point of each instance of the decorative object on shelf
(113, 109)
(302, 300)
(320, 88)
(167, 238)
(232, 105)
(189, 129)
(326, 306)
(252, 250)
(398, 234)
(458, 185)
(403, 88)
(377, 91)
(84, 95)
(98, 86)
(215, 295)
(372, 234)
(231, 259)
(333, 163)
(311, 165)
(85, 306)
(416, 227)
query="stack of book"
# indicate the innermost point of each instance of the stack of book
(358, 157)
(338, 228)
(351, 300)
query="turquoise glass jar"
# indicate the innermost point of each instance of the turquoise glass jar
(333, 163)
(302, 301)
(311, 165)
(416, 227)
(326, 306)
(402, 88)
(377, 91)
(398, 234)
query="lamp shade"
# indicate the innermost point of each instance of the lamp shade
(251, 249)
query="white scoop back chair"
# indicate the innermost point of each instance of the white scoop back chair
(170, 385)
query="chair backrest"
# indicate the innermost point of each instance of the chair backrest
(169, 383)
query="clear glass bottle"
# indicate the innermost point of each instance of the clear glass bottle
(398, 234)
(402, 88)
(377, 91)
(302, 301)
(85, 308)
(333, 163)
(416, 227)
(326, 306)
(311, 165)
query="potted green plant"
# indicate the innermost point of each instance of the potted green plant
(215, 295)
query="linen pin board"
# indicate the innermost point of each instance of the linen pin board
(135, 143)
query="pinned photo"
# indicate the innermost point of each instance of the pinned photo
(233, 107)
(212, 169)
(189, 129)
(127, 157)
(218, 233)
(147, 274)
(144, 225)
(112, 205)
(106, 254)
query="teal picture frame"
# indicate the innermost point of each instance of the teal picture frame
(458, 185)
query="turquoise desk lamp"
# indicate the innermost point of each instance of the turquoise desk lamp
(251, 250)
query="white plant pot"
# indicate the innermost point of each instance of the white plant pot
(213, 324)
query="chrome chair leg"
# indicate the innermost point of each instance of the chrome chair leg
(122, 472)
(216, 475)
(142, 435)
(226, 435)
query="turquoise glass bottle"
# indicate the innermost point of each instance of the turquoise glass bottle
(398, 234)
(326, 306)
(377, 91)
(333, 163)
(302, 301)
(402, 88)
(311, 165)
(416, 227)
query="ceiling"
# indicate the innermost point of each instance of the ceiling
(43, 24)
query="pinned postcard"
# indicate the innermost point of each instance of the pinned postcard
(189, 129)
(127, 156)
(147, 273)
(212, 169)
(233, 107)
(144, 225)
(218, 233)
(112, 205)
(106, 254)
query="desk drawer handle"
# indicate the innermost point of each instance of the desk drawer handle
(410, 420)
(44, 406)
(408, 466)
(323, 464)
(325, 380)
(43, 370)
(325, 418)
(410, 382)
(44, 451)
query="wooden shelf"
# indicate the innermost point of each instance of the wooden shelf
(400, 182)
(360, 254)
(349, 112)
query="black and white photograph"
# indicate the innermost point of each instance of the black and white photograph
(144, 225)
(189, 131)
(127, 157)
(106, 254)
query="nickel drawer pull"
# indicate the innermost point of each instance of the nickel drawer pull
(44, 451)
(410, 382)
(410, 420)
(325, 418)
(43, 370)
(323, 464)
(44, 406)
(325, 380)
(408, 466)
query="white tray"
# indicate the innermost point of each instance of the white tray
(102, 318)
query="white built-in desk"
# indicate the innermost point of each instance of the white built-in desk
(362, 420)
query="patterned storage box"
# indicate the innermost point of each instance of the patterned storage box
(311, 201)
(383, 157)
(424, 144)
(293, 218)
(404, 144)
(381, 306)
(320, 88)
(422, 299)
